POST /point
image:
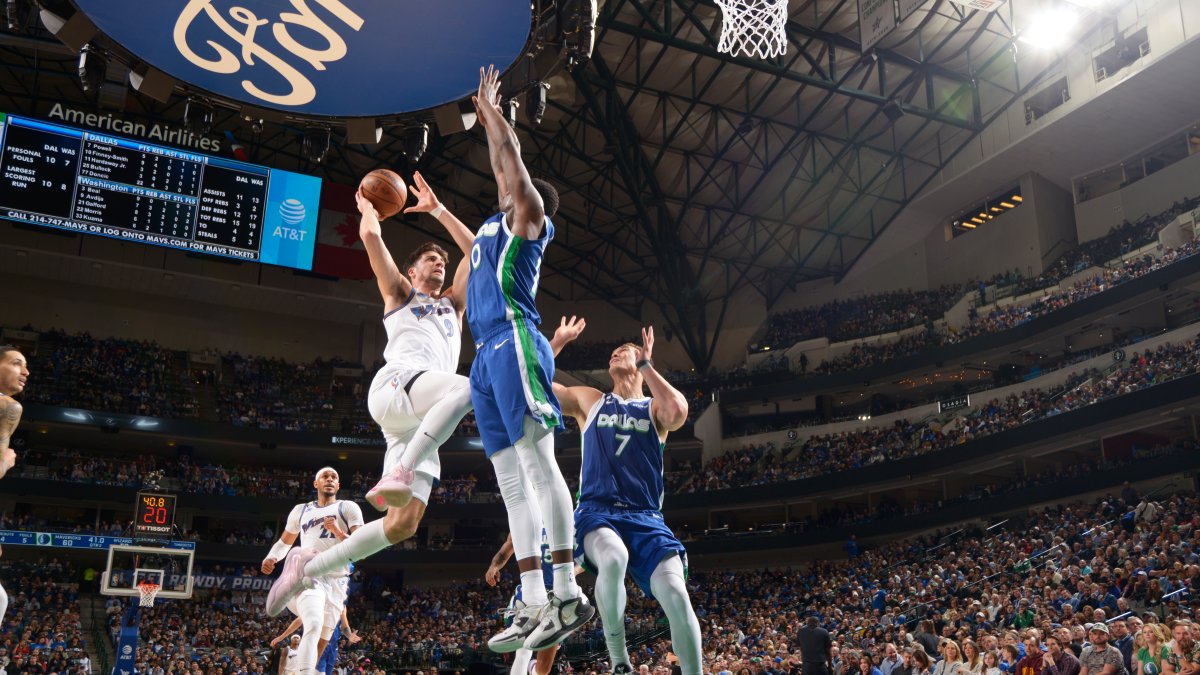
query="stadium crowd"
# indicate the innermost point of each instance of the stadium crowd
(974, 601)
(42, 632)
(185, 475)
(830, 453)
(1104, 251)
(869, 315)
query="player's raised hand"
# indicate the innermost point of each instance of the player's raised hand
(647, 343)
(570, 330)
(487, 99)
(426, 200)
(365, 206)
(268, 566)
(353, 637)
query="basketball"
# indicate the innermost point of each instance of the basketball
(385, 190)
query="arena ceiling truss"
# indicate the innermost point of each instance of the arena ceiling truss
(687, 173)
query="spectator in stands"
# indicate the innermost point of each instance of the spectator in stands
(1100, 658)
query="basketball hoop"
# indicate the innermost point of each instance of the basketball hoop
(148, 591)
(754, 28)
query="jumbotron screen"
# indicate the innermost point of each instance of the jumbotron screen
(97, 183)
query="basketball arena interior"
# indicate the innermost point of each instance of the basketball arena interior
(912, 288)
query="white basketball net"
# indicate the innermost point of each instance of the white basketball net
(148, 592)
(754, 28)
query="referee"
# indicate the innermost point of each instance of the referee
(815, 648)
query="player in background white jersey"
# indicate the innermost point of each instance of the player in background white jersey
(14, 371)
(319, 525)
(416, 398)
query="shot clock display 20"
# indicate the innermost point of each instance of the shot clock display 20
(71, 179)
(154, 515)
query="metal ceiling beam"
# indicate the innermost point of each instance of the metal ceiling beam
(836, 86)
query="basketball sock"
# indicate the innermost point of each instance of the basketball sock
(669, 587)
(521, 661)
(452, 402)
(564, 581)
(605, 550)
(533, 588)
(366, 540)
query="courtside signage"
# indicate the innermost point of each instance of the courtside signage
(342, 58)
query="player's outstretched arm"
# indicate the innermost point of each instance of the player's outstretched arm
(574, 401)
(670, 406)
(529, 217)
(427, 202)
(393, 286)
(291, 530)
(492, 576)
(292, 628)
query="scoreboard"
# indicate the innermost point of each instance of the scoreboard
(73, 179)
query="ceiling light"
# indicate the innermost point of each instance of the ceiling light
(1018, 198)
(977, 221)
(1051, 28)
(996, 209)
(969, 226)
(1008, 205)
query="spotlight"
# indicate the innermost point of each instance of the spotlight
(15, 13)
(316, 144)
(416, 141)
(510, 111)
(198, 116)
(535, 101)
(92, 66)
(1050, 29)
(579, 31)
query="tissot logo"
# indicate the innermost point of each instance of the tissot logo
(321, 57)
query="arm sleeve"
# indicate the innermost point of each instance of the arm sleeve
(293, 521)
(352, 513)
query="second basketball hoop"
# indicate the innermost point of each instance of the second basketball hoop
(754, 28)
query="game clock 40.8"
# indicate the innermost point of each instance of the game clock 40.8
(154, 515)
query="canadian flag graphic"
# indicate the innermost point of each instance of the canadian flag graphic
(339, 251)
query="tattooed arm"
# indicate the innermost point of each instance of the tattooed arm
(10, 417)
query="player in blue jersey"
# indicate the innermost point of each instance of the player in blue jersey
(619, 523)
(511, 390)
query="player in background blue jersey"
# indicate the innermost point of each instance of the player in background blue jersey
(619, 524)
(511, 390)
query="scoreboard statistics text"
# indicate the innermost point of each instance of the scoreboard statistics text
(74, 179)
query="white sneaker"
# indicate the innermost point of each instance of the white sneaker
(559, 619)
(512, 638)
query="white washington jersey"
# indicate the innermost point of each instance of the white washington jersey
(425, 333)
(308, 520)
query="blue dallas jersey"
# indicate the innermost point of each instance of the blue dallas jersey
(622, 456)
(504, 278)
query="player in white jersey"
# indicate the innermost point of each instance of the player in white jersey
(416, 398)
(319, 525)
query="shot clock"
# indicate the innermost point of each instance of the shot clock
(154, 515)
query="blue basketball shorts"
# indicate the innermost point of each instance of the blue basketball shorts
(645, 534)
(510, 382)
